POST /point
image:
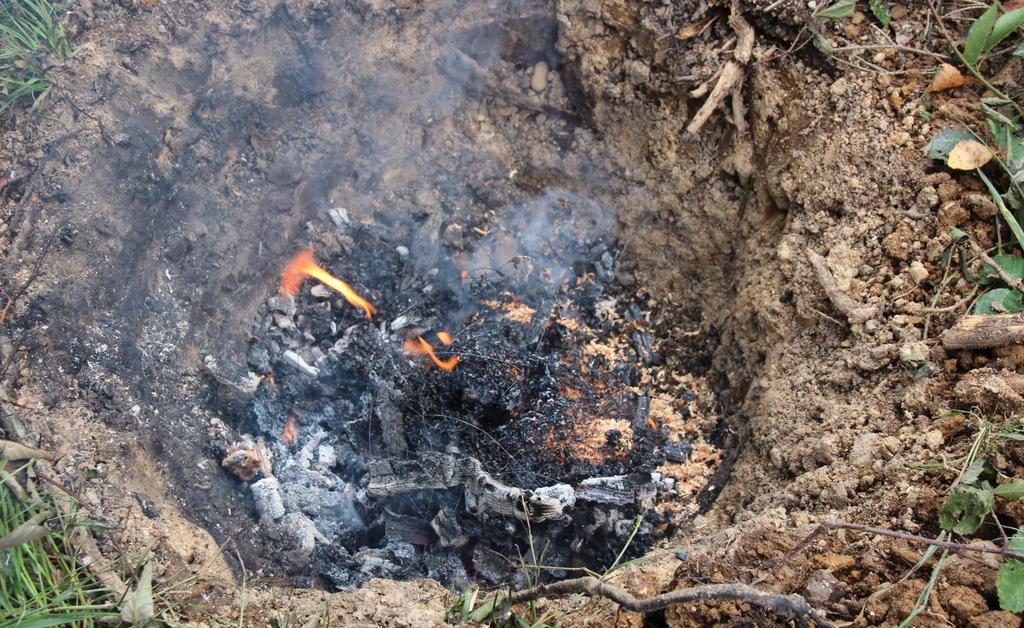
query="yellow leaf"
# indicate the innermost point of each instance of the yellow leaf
(968, 155)
(947, 77)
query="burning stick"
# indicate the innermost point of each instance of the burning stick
(303, 265)
(422, 347)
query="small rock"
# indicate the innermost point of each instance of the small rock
(283, 304)
(320, 292)
(898, 12)
(838, 88)
(927, 198)
(822, 587)
(934, 439)
(283, 321)
(539, 80)
(917, 272)
(300, 365)
(403, 251)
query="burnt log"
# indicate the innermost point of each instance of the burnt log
(620, 490)
(484, 494)
(446, 526)
(392, 424)
(389, 476)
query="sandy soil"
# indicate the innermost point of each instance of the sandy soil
(189, 145)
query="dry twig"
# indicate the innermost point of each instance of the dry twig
(793, 607)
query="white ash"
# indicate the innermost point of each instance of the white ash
(267, 496)
(564, 493)
(305, 532)
(339, 216)
(326, 456)
(295, 360)
(321, 292)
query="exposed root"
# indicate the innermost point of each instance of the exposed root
(793, 607)
(731, 75)
(853, 311)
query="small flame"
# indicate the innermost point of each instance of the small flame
(445, 338)
(303, 265)
(291, 428)
(422, 347)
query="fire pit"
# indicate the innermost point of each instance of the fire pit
(423, 405)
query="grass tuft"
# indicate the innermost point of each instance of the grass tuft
(42, 582)
(31, 38)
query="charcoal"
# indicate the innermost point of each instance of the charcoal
(407, 529)
(677, 452)
(447, 529)
(643, 412)
(391, 467)
(392, 477)
(619, 490)
(447, 568)
(391, 422)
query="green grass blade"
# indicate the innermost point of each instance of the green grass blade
(978, 35)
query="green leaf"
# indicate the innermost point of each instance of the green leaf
(137, 608)
(1010, 581)
(973, 472)
(978, 34)
(943, 142)
(1010, 490)
(880, 9)
(965, 509)
(1004, 26)
(1010, 585)
(836, 10)
(1010, 435)
(1019, 52)
(1012, 265)
(999, 301)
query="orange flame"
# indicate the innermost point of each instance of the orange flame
(422, 347)
(445, 338)
(303, 265)
(291, 428)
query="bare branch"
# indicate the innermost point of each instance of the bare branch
(792, 607)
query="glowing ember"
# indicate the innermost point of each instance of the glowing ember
(291, 428)
(422, 347)
(303, 265)
(445, 338)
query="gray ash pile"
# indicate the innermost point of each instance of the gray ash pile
(454, 400)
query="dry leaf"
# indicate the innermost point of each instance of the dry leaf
(16, 451)
(693, 29)
(1011, 5)
(968, 155)
(948, 77)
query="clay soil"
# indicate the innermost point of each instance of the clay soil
(189, 148)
